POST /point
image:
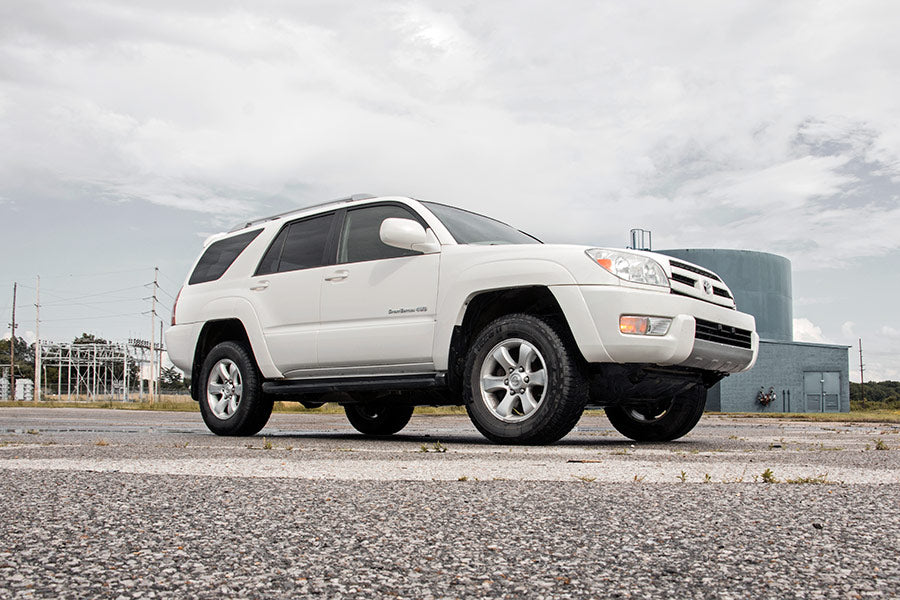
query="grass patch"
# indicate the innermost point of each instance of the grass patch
(817, 480)
(165, 404)
(874, 415)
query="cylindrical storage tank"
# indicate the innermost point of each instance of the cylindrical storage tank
(760, 282)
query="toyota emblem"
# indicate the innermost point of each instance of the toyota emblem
(707, 286)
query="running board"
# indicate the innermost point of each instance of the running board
(356, 384)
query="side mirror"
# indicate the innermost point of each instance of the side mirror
(408, 235)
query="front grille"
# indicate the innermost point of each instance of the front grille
(684, 279)
(722, 334)
(694, 269)
(721, 292)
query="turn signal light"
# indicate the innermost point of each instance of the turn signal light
(641, 325)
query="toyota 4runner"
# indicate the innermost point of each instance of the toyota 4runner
(384, 304)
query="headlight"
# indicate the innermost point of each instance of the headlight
(630, 267)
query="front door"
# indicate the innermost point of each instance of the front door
(378, 302)
(822, 391)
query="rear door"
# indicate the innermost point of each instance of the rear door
(286, 288)
(378, 302)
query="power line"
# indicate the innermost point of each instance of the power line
(131, 314)
(96, 274)
(56, 293)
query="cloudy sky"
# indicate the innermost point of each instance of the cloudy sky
(132, 130)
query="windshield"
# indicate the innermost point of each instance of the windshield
(471, 228)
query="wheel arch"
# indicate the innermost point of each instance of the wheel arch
(485, 306)
(211, 334)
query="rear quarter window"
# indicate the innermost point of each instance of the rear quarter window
(219, 256)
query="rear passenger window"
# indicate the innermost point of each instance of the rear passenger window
(219, 256)
(361, 238)
(299, 245)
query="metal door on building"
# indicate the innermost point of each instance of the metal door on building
(822, 391)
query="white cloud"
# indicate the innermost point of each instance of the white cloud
(847, 329)
(806, 331)
(889, 331)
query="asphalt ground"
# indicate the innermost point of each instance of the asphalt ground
(121, 504)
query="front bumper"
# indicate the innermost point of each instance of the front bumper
(596, 309)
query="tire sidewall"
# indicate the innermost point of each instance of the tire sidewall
(251, 395)
(546, 341)
(389, 420)
(682, 416)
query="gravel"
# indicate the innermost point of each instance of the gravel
(180, 522)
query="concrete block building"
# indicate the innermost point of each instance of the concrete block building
(789, 376)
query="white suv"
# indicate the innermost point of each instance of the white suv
(383, 304)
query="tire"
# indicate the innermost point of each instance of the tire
(661, 422)
(377, 418)
(544, 395)
(231, 398)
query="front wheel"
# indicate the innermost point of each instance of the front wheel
(377, 418)
(523, 381)
(231, 397)
(662, 421)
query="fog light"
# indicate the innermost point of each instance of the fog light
(638, 325)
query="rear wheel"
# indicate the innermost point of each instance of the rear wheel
(377, 418)
(524, 383)
(662, 421)
(231, 397)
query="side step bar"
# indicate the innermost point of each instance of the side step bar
(351, 384)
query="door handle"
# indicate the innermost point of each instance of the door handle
(260, 286)
(338, 275)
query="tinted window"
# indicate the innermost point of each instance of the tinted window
(471, 228)
(299, 245)
(361, 239)
(219, 256)
(270, 260)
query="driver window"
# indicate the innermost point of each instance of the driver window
(360, 240)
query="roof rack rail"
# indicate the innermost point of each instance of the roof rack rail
(351, 198)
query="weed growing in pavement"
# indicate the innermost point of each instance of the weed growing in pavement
(101, 442)
(622, 452)
(815, 480)
(768, 476)
(639, 478)
(267, 444)
(707, 478)
(435, 447)
(181, 444)
(32, 432)
(683, 477)
(823, 448)
(880, 445)
(585, 478)
(462, 478)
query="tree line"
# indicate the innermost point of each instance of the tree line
(881, 394)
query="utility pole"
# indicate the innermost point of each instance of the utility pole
(153, 331)
(160, 351)
(125, 374)
(37, 342)
(12, 348)
(862, 384)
